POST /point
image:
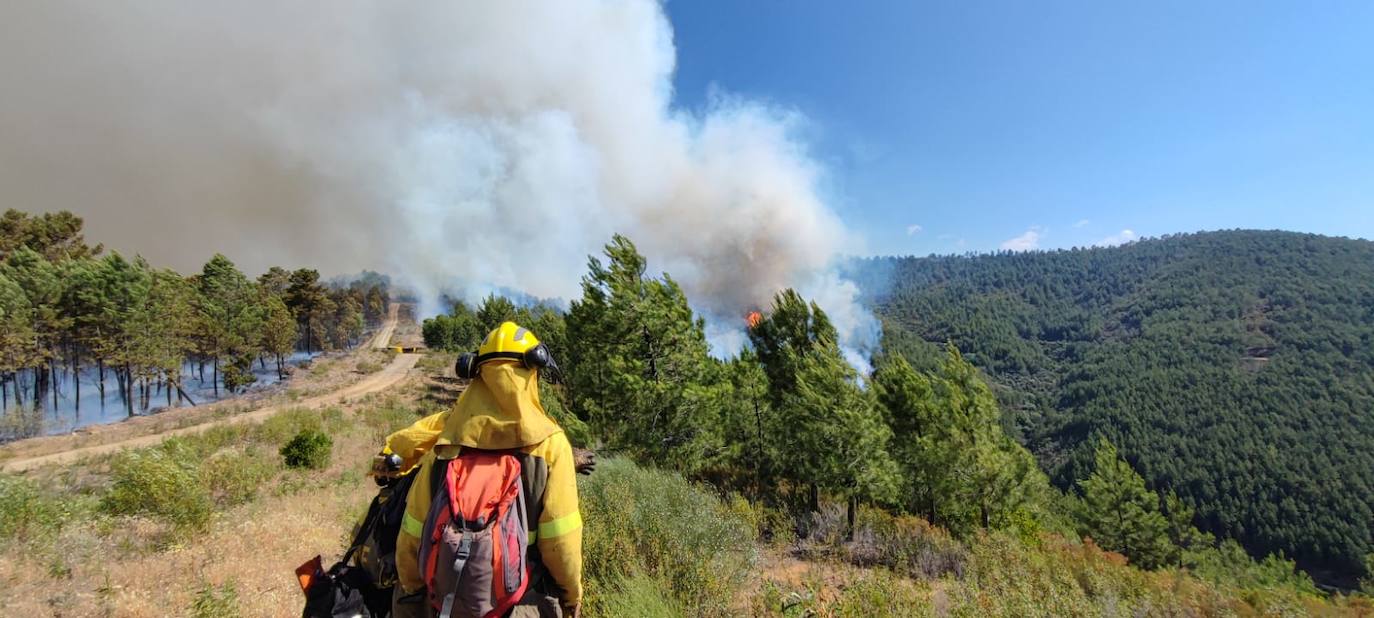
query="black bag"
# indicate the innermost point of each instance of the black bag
(347, 591)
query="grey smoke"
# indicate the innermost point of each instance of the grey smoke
(461, 146)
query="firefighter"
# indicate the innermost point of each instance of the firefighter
(500, 411)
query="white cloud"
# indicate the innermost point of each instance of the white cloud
(1028, 241)
(913, 229)
(1119, 238)
(1082, 223)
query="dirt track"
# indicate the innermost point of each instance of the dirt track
(389, 375)
(383, 335)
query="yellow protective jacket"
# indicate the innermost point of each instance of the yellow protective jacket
(500, 410)
(414, 441)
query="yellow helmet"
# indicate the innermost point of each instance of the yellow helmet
(508, 341)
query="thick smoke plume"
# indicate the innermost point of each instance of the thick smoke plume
(461, 146)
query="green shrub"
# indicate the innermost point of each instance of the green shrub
(219, 437)
(654, 523)
(281, 427)
(309, 449)
(26, 512)
(235, 476)
(1229, 564)
(216, 602)
(769, 524)
(906, 544)
(640, 596)
(163, 481)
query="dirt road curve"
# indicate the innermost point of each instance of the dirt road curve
(381, 380)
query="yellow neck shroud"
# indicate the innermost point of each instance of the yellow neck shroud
(499, 410)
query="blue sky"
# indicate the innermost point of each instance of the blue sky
(1055, 123)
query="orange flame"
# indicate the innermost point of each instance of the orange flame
(753, 319)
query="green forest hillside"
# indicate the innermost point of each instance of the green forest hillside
(1235, 368)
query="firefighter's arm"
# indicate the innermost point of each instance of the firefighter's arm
(414, 441)
(412, 525)
(560, 525)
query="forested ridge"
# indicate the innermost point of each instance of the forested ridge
(1234, 368)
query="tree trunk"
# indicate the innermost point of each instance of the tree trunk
(815, 499)
(100, 364)
(853, 506)
(181, 393)
(76, 378)
(202, 370)
(4, 393)
(167, 386)
(128, 389)
(215, 376)
(38, 388)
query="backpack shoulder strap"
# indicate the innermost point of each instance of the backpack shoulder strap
(436, 476)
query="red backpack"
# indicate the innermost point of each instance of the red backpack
(472, 549)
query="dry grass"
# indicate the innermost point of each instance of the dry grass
(136, 566)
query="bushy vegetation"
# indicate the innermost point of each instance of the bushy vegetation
(65, 305)
(653, 530)
(27, 512)
(308, 449)
(163, 482)
(184, 480)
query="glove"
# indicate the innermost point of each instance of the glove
(386, 466)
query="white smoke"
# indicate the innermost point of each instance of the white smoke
(461, 146)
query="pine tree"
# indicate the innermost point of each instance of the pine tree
(160, 326)
(637, 363)
(493, 311)
(230, 322)
(276, 281)
(834, 437)
(961, 469)
(56, 236)
(278, 331)
(17, 338)
(751, 452)
(1184, 538)
(306, 298)
(1120, 513)
(374, 306)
